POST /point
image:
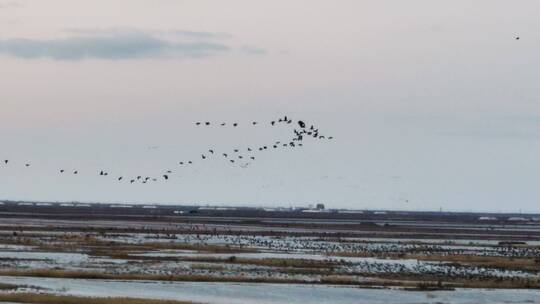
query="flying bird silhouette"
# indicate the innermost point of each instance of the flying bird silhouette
(303, 134)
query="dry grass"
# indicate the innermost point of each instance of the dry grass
(8, 286)
(268, 262)
(64, 274)
(294, 263)
(58, 299)
(210, 267)
(501, 283)
(360, 280)
(114, 249)
(198, 247)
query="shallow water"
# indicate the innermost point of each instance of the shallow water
(53, 256)
(237, 293)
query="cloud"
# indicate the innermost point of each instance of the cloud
(253, 50)
(194, 35)
(10, 4)
(201, 35)
(113, 44)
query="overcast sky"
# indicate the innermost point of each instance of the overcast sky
(432, 103)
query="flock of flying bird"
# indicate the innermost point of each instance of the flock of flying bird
(300, 133)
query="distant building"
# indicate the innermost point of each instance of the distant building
(43, 204)
(319, 207)
(218, 208)
(487, 218)
(315, 211)
(351, 211)
(517, 219)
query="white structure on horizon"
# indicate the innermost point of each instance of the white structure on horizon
(487, 218)
(315, 211)
(351, 211)
(517, 219)
(43, 204)
(217, 208)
